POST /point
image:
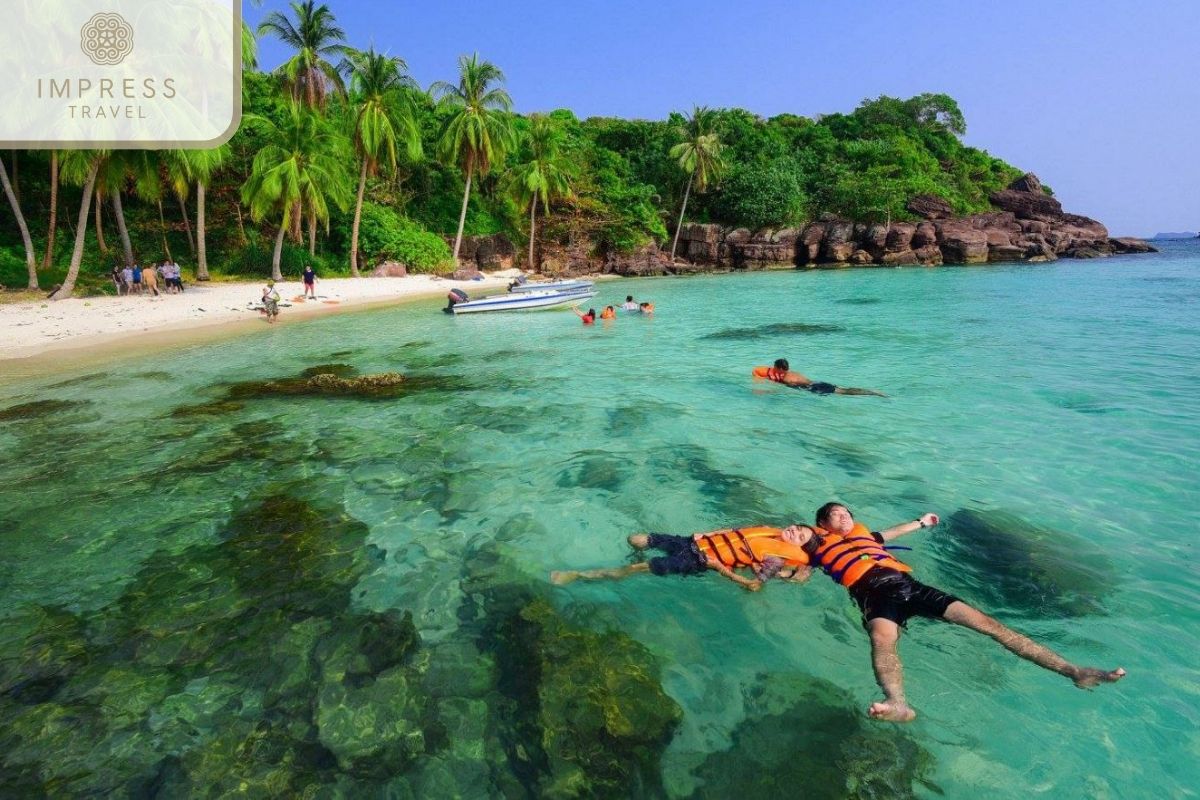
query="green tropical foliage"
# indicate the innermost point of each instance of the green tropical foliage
(324, 145)
(541, 176)
(381, 99)
(477, 133)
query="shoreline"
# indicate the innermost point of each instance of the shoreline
(44, 337)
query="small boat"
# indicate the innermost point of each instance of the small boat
(552, 286)
(521, 301)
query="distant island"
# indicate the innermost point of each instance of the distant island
(1176, 235)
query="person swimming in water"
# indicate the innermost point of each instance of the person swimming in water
(608, 313)
(760, 548)
(588, 318)
(782, 373)
(887, 595)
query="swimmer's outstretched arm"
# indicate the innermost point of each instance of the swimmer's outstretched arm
(746, 583)
(923, 521)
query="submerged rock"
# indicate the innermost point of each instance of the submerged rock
(39, 408)
(1007, 561)
(383, 385)
(774, 329)
(239, 666)
(340, 370)
(214, 408)
(805, 737)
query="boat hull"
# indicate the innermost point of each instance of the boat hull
(524, 301)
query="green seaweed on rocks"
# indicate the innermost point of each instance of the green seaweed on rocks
(213, 408)
(1016, 564)
(237, 666)
(38, 409)
(340, 370)
(373, 387)
(582, 712)
(804, 737)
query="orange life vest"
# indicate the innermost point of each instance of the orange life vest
(770, 373)
(747, 547)
(847, 558)
(606, 314)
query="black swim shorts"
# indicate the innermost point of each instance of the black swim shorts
(821, 388)
(891, 594)
(682, 556)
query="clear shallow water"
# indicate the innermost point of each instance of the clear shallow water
(1062, 398)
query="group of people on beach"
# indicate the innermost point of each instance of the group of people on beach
(144, 280)
(610, 312)
(860, 560)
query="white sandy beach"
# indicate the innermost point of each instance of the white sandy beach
(46, 328)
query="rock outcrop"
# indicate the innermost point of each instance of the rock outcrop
(493, 252)
(1028, 225)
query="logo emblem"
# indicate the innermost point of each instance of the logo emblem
(106, 39)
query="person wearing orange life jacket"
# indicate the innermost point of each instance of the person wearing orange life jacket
(759, 548)
(608, 313)
(888, 596)
(781, 373)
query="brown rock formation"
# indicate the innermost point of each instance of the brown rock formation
(929, 206)
(390, 269)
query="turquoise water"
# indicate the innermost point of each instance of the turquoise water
(1059, 404)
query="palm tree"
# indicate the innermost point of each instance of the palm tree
(249, 48)
(315, 38)
(49, 257)
(30, 258)
(379, 94)
(79, 166)
(200, 166)
(478, 133)
(699, 155)
(543, 176)
(302, 166)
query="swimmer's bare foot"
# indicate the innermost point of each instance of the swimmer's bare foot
(639, 540)
(891, 711)
(1087, 677)
(562, 578)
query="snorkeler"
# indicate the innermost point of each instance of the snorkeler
(760, 548)
(888, 596)
(780, 373)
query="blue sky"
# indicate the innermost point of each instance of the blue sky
(1101, 99)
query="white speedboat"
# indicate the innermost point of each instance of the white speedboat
(521, 301)
(552, 286)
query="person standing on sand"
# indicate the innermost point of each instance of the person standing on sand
(137, 277)
(270, 301)
(888, 596)
(127, 280)
(150, 279)
(310, 282)
(781, 373)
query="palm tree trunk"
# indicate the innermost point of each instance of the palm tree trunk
(162, 226)
(49, 257)
(30, 258)
(297, 217)
(89, 186)
(532, 212)
(237, 206)
(312, 233)
(119, 211)
(686, 192)
(275, 273)
(462, 215)
(100, 226)
(16, 175)
(187, 225)
(201, 244)
(362, 185)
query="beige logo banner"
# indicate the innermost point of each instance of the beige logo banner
(119, 73)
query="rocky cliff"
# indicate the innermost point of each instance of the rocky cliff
(1027, 225)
